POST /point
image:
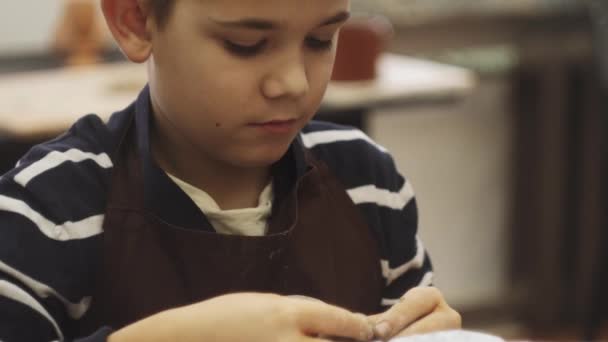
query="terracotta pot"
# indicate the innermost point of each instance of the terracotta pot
(362, 40)
(79, 38)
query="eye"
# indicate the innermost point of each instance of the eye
(318, 44)
(244, 50)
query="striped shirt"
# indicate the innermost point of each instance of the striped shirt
(52, 207)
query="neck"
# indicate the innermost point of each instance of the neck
(232, 187)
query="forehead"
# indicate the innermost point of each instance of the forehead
(282, 11)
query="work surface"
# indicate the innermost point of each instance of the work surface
(38, 104)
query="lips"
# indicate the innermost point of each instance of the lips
(275, 121)
(276, 126)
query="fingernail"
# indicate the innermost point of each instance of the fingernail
(382, 329)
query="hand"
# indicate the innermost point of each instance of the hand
(420, 310)
(249, 317)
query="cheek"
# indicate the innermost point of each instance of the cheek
(320, 69)
(319, 77)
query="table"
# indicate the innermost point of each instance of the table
(39, 104)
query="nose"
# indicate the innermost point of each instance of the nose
(288, 79)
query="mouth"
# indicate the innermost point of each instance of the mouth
(276, 126)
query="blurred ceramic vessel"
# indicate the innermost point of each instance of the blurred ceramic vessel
(362, 41)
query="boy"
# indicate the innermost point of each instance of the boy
(172, 220)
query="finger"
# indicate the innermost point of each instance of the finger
(313, 339)
(375, 318)
(415, 304)
(321, 319)
(437, 321)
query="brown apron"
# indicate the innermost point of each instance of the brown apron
(317, 245)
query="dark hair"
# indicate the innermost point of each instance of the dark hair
(161, 9)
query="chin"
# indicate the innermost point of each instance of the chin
(263, 157)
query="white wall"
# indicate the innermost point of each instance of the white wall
(27, 26)
(458, 160)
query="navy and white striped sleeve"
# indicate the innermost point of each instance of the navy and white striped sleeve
(51, 215)
(385, 198)
(391, 204)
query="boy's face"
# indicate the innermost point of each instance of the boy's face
(237, 79)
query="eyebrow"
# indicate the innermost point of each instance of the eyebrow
(262, 24)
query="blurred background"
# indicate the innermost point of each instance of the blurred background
(495, 110)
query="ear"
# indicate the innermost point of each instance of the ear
(130, 23)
